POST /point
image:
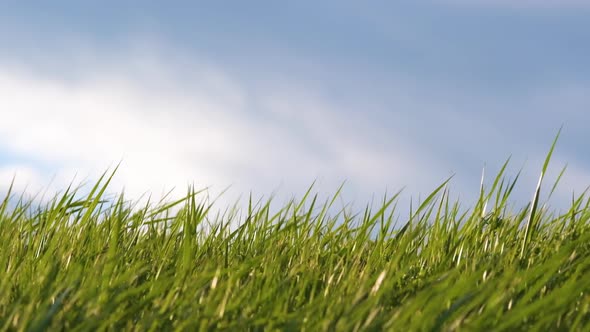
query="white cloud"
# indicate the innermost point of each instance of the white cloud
(174, 123)
(22, 177)
(97, 123)
(174, 126)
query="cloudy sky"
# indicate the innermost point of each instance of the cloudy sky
(271, 95)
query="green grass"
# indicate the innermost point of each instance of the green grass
(87, 263)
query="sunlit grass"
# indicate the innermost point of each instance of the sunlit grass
(89, 263)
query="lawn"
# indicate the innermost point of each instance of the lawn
(84, 262)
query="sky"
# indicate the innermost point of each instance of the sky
(268, 96)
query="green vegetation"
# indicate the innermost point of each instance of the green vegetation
(93, 264)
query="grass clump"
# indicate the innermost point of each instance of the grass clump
(94, 264)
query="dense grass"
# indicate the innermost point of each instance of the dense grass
(88, 263)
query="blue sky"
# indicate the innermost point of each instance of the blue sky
(263, 95)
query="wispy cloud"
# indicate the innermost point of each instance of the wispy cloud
(174, 126)
(171, 128)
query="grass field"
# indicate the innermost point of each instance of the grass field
(93, 264)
